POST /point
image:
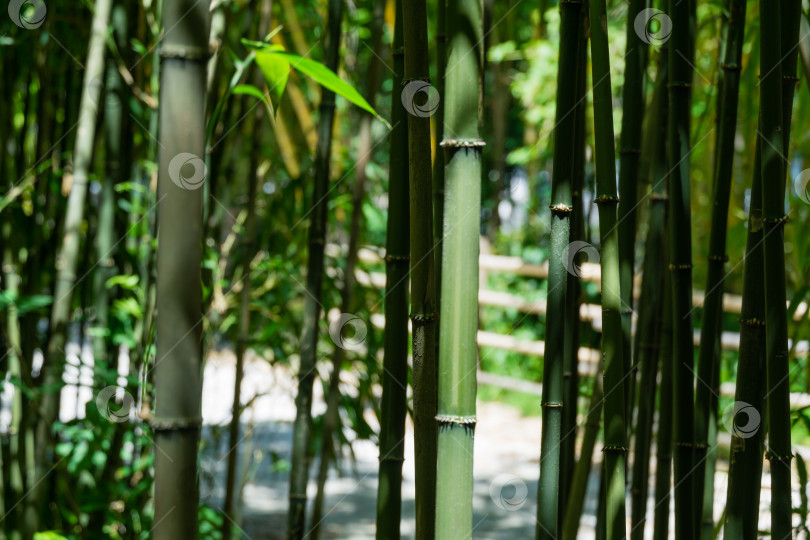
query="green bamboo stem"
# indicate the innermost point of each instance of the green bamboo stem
(572, 325)
(178, 360)
(395, 365)
(582, 469)
(459, 318)
(302, 431)
(710, 352)
(773, 220)
(648, 335)
(332, 419)
(663, 441)
(423, 285)
(68, 257)
(633, 104)
(548, 506)
(745, 457)
(680, 246)
(615, 449)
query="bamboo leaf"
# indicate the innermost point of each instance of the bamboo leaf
(276, 71)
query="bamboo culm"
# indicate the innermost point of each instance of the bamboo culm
(395, 335)
(548, 507)
(459, 318)
(302, 430)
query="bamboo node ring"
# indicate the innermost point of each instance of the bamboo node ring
(424, 318)
(755, 323)
(175, 424)
(730, 67)
(776, 221)
(423, 79)
(675, 267)
(659, 197)
(455, 419)
(561, 209)
(605, 199)
(718, 258)
(553, 405)
(462, 143)
(614, 448)
(182, 52)
(397, 258)
(771, 456)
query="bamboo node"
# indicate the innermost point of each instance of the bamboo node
(424, 318)
(391, 458)
(422, 79)
(174, 424)
(455, 419)
(614, 449)
(397, 258)
(754, 322)
(682, 444)
(718, 258)
(630, 151)
(659, 197)
(399, 51)
(790, 79)
(772, 456)
(679, 85)
(627, 311)
(561, 209)
(606, 199)
(553, 405)
(182, 52)
(674, 267)
(776, 221)
(462, 143)
(730, 67)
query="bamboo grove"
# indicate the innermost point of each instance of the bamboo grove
(432, 269)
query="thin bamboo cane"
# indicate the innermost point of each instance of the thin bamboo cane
(615, 449)
(663, 441)
(302, 435)
(395, 364)
(548, 506)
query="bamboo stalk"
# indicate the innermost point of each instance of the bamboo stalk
(615, 449)
(680, 262)
(302, 435)
(633, 105)
(423, 286)
(548, 506)
(650, 306)
(68, 259)
(178, 362)
(711, 328)
(663, 441)
(459, 317)
(438, 153)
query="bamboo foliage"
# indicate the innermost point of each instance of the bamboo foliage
(459, 318)
(548, 507)
(302, 436)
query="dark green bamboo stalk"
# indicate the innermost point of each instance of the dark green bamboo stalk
(680, 263)
(332, 419)
(548, 506)
(663, 441)
(773, 220)
(459, 319)
(423, 286)
(648, 334)
(572, 325)
(68, 257)
(395, 365)
(745, 459)
(629, 157)
(178, 362)
(582, 470)
(615, 449)
(302, 435)
(438, 153)
(711, 327)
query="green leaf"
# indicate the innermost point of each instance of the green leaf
(276, 71)
(33, 303)
(123, 281)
